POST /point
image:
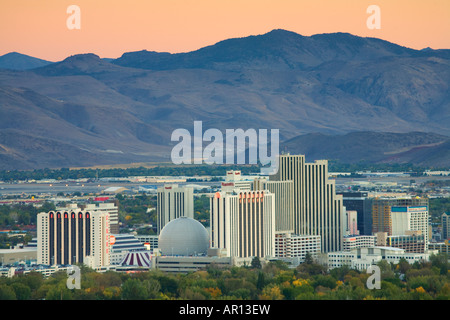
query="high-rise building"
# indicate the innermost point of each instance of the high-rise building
(284, 202)
(243, 223)
(382, 212)
(173, 202)
(362, 204)
(69, 237)
(445, 221)
(351, 219)
(318, 210)
(109, 207)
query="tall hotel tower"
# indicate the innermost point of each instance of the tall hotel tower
(243, 223)
(317, 208)
(69, 237)
(174, 202)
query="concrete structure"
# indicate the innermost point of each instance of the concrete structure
(284, 202)
(408, 218)
(109, 207)
(295, 247)
(17, 255)
(173, 202)
(318, 210)
(243, 223)
(381, 211)
(354, 242)
(73, 237)
(183, 264)
(441, 247)
(411, 241)
(184, 237)
(149, 241)
(362, 258)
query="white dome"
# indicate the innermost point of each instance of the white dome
(183, 236)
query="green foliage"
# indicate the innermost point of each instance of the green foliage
(275, 280)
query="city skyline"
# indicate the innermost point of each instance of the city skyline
(112, 28)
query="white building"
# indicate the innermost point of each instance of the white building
(73, 237)
(318, 210)
(243, 223)
(361, 258)
(284, 202)
(410, 218)
(174, 202)
(234, 180)
(288, 245)
(354, 242)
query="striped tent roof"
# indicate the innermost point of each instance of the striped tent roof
(141, 259)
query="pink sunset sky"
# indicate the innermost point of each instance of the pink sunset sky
(110, 28)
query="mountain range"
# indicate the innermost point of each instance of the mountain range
(335, 96)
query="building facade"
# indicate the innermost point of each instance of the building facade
(288, 245)
(173, 202)
(243, 223)
(71, 237)
(284, 202)
(318, 210)
(362, 204)
(382, 213)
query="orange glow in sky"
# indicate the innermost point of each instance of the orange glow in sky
(110, 28)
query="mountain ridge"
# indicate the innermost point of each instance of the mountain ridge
(125, 109)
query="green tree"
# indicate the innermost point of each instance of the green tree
(134, 289)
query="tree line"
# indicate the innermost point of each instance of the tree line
(272, 281)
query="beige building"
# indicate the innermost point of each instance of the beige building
(243, 223)
(284, 202)
(73, 237)
(318, 210)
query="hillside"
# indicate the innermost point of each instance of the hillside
(124, 110)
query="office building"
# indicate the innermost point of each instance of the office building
(173, 202)
(362, 204)
(70, 237)
(243, 223)
(318, 210)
